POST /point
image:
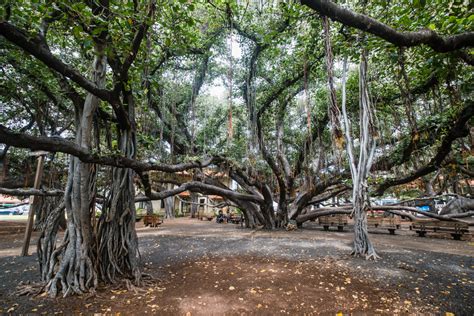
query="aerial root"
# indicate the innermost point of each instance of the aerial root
(27, 289)
(372, 256)
(131, 287)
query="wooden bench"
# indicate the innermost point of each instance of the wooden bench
(337, 220)
(152, 220)
(457, 229)
(391, 223)
(234, 219)
(205, 215)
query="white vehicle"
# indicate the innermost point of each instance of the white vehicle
(23, 209)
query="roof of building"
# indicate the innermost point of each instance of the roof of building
(7, 199)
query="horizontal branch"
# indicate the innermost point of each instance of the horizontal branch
(399, 38)
(449, 217)
(203, 188)
(323, 211)
(58, 144)
(326, 211)
(25, 192)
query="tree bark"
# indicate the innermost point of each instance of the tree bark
(76, 271)
(169, 213)
(360, 170)
(118, 252)
(398, 38)
(46, 247)
(194, 204)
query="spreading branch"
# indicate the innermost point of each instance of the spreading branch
(457, 130)
(35, 47)
(367, 24)
(25, 192)
(58, 144)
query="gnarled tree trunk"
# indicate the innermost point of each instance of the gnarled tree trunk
(76, 272)
(45, 206)
(46, 247)
(118, 254)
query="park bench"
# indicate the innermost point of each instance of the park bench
(152, 220)
(391, 223)
(337, 220)
(234, 219)
(209, 215)
(457, 229)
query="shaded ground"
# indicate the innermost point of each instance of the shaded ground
(203, 268)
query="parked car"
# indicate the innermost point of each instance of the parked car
(382, 202)
(423, 208)
(23, 209)
(10, 211)
(439, 204)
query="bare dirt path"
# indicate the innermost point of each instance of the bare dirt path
(203, 268)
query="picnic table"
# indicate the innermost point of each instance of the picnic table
(234, 219)
(337, 220)
(456, 229)
(391, 222)
(152, 220)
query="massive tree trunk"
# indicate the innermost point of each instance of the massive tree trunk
(118, 254)
(76, 271)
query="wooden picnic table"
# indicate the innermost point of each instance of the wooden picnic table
(153, 220)
(456, 229)
(391, 223)
(337, 220)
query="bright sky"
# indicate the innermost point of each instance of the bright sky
(218, 89)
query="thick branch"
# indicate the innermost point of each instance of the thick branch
(138, 38)
(35, 48)
(325, 211)
(58, 144)
(25, 192)
(457, 130)
(203, 188)
(406, 39)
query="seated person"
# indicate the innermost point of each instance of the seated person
(220, 217)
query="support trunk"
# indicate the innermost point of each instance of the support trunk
(360, 171)
(169, 207)
(47, 251)
(75, 257)
(194, 204)
(119, 256)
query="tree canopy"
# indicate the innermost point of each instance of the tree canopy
(293, 100)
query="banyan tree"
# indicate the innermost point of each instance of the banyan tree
(298, 102)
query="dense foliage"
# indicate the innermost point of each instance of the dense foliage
(251, 88)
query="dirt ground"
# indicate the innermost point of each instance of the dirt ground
(204, 268)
